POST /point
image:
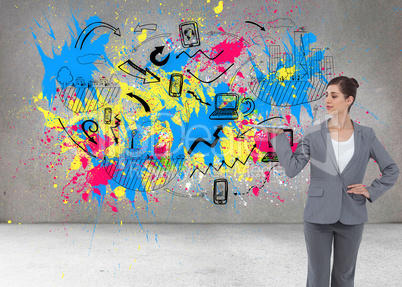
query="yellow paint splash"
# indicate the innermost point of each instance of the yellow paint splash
(285, 73)
(232, 149)
(218, 9)
(143, 36)
(76, 164)
(52, 121)
(120, 191)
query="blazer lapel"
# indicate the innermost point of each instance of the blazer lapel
(328, 144)
(357, 138)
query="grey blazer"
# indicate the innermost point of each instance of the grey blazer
(328, 200)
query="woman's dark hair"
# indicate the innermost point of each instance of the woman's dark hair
(348, 87)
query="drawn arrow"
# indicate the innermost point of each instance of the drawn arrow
(139, 27)
(251, 104)
(152, 78)
(202, 140)
(198, 99)
(224, 163)
(117, 124)
(208, 82)
(135, 49)
(199, 51)
(240, 38)
(144, 103)
(261, 27)
(238, 69)
(92, 131)
(261, 186)
(158, 50)
(74, 140)
(96, 25)
(241, 135)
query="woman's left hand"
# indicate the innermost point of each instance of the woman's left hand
(359, 189)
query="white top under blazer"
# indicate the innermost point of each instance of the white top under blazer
(344, 151)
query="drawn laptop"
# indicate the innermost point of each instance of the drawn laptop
(271, 156)
(226, 106)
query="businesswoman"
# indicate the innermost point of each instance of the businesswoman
(338, 151)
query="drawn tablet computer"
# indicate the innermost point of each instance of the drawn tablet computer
(189, 34)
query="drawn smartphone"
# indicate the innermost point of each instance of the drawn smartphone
(107, 117)
(175, 85)
(189, 34)
(220, 191)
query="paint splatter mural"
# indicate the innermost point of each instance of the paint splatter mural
(149, 111)
(145, 107)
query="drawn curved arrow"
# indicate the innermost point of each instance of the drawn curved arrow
(251, 108)
(158, 50)
(237, 71)
(61, 123)
(90, 129)
(144, 103)
(208, 82)
(241, 135)
(251, 22)
(211, 33)
(135, 49)
(261, 186)
(96, 25)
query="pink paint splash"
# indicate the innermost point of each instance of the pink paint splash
(97, 176)
(267, 176)
(242, 90)
(160, 151)
(255, 155)
(84, 162)
(288, 117)
(114, 208)
(256, 191)
(231, 50)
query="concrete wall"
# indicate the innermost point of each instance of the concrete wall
(39, 162)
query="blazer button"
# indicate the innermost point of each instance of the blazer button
(339, 180)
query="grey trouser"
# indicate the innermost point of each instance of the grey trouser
(346, 240)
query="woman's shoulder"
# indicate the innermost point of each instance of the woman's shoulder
(366, 131)
(361, 128)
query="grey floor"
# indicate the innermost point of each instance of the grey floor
(180, 255)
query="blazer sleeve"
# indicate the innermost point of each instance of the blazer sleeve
(292, 162)
(389, 169)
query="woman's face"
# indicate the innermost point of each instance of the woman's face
(335, 101)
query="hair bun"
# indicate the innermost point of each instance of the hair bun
(355, 82)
